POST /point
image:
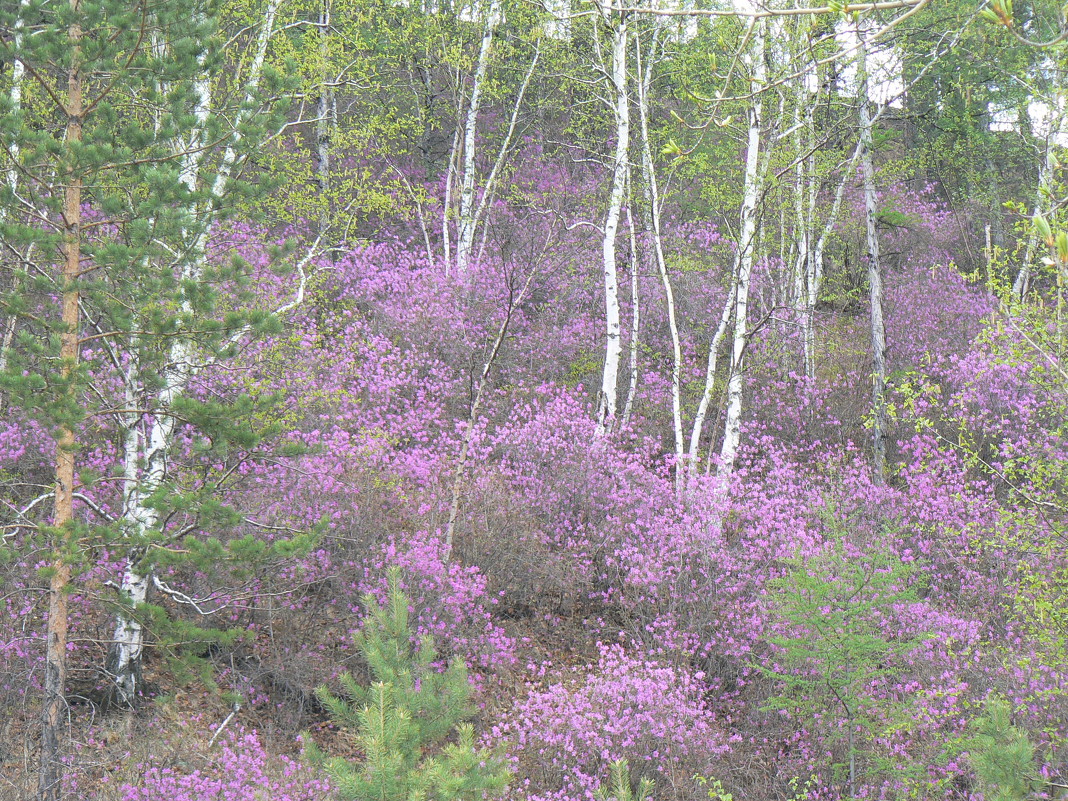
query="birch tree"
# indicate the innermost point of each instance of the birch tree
(149, 430)
(154, 142)
(465, 237)
(754, 61)
(875, 276)
(619, 98)
(651, 191)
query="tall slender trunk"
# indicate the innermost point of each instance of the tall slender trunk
(145, 472)
(465, 225)
(754, 186)
(323, 120)
(803, 180)
(652, 205)
(875, 278)
(49, 786)
(606, 412)
(813, 257)
(693, 452)
(446, 214)
(1047, 171)
(635, 318)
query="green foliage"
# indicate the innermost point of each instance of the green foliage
(620, 787)
(403, 722)
(172, 114)
(716, 791)
(831, 609)
(1002, 755)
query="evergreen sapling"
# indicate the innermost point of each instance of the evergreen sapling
(404, 721)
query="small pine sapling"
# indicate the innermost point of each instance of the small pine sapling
(1002, 756)
(833, 609)
(620, 787)
(404, 721)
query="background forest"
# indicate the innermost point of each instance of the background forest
(460, 400)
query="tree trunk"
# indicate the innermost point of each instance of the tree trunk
(49, 786)
(606, 412)
(635, 318)
(875, 277)
(465, 233)
(754, 187)
(652, 205)
(145, 474)
(450, 179)
(323, 126)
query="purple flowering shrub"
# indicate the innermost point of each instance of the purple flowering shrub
(566, 735)
(239, 769)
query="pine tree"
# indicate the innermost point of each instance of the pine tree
(125, 141)
(1002, 755)
(620, 787)
(404, 721)
(832, 609)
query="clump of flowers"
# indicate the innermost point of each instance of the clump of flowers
(649, 713)
(240, 770)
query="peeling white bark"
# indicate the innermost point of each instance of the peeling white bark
(446, 214)
(652, 205)
(607, 402)
(875, 279)
(145, 466)
(754, 59)
(466, 223)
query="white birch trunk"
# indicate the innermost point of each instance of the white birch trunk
(465, 225)
(801, 258)
(145, 472)
(607, 402)
(18, 77)
(812, 261)
(754, 59)
(652, 204)
(450, 179)
(875, 279)
(693, 452)
(323, 119)
(635, 320)
(1047, 171)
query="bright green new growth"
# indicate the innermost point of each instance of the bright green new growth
(620, 788)
(1002, 756)
(835, 652)
(404, 720)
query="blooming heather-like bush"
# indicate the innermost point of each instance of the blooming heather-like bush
(568, 734)
(240, 770)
